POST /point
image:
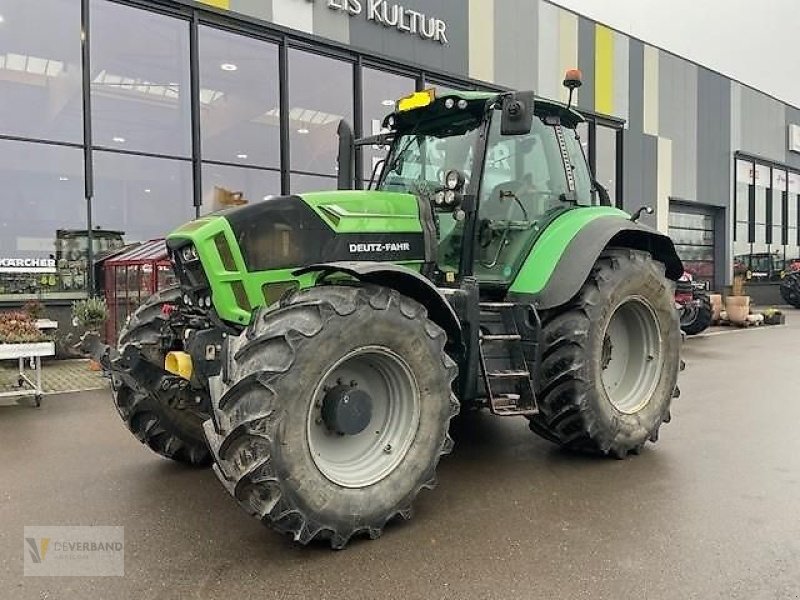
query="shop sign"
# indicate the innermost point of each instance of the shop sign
(794, 138)
(395, 16)
(27, 265)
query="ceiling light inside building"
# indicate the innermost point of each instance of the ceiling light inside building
(118, 139)
(302, 131)
(31, 64)
(241, 155)
(2, 19)
(228, 67)
(146, 190)
(62, 178)
(388, 102)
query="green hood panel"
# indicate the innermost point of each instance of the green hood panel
(547, 251)
(354, 211)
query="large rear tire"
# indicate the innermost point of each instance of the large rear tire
(333, 412)
(610, 359)
(790, 289)
(173, 430)
(697, 318)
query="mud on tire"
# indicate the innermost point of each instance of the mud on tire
(261, 434)
(171, 432)
(576, 408)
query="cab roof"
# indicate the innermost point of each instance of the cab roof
(476, 104)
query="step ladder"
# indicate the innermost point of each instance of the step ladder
(509, 388)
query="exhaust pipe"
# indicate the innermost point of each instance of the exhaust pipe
(344, 160)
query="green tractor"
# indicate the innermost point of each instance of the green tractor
(319, 344)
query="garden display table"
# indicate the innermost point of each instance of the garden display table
(32, 352)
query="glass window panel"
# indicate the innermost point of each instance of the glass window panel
(606, 159)
(320, 95)
(141, 196)
(40, 69)
(140, 80)
(310, 183)
(225, 186)
(239, 119)
(46, 185)
(380, 91)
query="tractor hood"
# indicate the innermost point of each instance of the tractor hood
(247, 253)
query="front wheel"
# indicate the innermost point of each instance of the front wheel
(334, 411)
(610, 359)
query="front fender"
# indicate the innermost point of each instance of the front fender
(560, 262)
(404, 280)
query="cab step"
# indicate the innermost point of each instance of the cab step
(509, 390)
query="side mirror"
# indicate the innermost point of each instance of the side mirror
(642, 209)
(517, 113)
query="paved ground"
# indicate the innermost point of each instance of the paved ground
(711, 511)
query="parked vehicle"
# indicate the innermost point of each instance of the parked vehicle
(693, 304)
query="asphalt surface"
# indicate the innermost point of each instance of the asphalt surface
(711, 511)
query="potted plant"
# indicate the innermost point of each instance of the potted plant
(90, 314)
(18, 328)
(737, 305)
(34, 309)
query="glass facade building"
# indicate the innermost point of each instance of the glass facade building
(121, 119)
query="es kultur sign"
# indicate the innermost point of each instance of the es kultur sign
(395, 16)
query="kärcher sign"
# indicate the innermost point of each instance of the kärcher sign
(396, 16)
(27, 265)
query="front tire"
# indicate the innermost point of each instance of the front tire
(610, 359)
(287, 444)
(173, 432)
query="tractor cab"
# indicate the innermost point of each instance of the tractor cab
(498, 167)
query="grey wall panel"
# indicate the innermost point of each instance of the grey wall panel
(586, 45)
(677, 107)
(548, 51)
(331, 24)
(516, 41)
(261, 9)
(792, 117)
(763, 125)
(714, 159)
(452, 57)
(636, 86)
(633, 139)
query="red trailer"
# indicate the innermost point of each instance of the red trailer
(130, 277)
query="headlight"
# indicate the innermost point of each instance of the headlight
(453, 180)
(189, 253)
(449, 103)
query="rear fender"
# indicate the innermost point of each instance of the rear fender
(571, 263)
(404, 280)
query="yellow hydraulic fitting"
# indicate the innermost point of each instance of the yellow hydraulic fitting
(178, 363)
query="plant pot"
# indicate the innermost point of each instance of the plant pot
(737, 307)
(716, 306)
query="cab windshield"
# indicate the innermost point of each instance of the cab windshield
(419, 159)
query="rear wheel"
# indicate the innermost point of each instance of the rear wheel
(333, 412)
(790, 289)
(696, 317)
(610, 359)
(170, 426)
